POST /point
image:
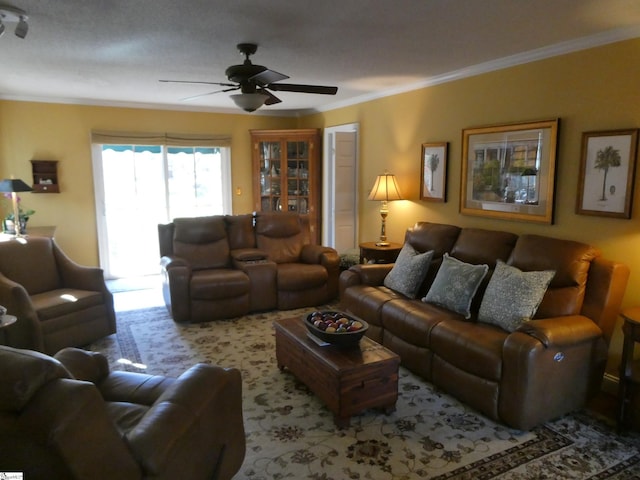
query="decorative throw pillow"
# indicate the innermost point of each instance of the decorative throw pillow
(513, 296)
(409, 271)
(455, 285)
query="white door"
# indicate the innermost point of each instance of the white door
(340, 229)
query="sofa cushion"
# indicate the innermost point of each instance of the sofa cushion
(218, 283)
(513, 296)
(409, 271)
(202, 241)
(58, 303)
(455, 285)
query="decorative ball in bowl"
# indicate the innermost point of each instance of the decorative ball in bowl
(337, 328)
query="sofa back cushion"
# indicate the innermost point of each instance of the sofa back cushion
(31, 263)
(282, 235)
(202, 241)
(240, 231)
(569, 259)
(436, 237)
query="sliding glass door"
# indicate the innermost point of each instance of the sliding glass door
(139, 186)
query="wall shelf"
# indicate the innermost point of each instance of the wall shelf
(45, 176)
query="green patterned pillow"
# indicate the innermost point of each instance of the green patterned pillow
(513, 296)
(455, 285)
(409, 271)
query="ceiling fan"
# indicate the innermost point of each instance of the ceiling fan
(254, 83)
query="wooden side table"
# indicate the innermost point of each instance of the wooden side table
(370, 252)
(629, 368)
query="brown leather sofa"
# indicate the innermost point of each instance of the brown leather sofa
(543, 369)
(225, 266)
(68, 417)
(58, 302)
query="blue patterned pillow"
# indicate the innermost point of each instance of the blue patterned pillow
(409, 271)
(455, 285)
(513, 296)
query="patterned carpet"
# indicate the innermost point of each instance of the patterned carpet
(290, 434)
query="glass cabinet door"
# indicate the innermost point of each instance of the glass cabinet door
(270, 181)
(298, 177)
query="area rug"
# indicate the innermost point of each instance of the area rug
(291, 435)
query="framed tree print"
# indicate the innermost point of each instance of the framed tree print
(433, 178)
(508, 171)
(607, 170)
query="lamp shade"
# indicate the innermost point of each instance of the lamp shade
(9, 185)
(385, 188)
(249, 102)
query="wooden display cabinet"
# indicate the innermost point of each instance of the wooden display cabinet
(45, 176)
(286, 173)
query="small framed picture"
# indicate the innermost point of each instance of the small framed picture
(607, 170)
(433, 178)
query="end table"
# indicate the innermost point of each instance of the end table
(629, 368)
(370, 252)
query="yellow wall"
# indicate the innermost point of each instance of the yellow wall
(592, 90)
(596, 89)
(62, 132)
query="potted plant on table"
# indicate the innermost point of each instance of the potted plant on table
(8, 224)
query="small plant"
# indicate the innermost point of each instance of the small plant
(23, 214)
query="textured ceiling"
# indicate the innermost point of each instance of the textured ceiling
(114, 52)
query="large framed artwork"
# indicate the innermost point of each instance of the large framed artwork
(508, 171)
(433, 178)
(607, 171)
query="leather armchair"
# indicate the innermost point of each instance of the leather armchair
(307, 274)
(69, 417)
(58, 302)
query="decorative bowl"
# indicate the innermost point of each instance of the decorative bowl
(328, 319)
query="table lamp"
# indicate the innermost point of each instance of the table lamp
(14, 185)
(385, 190)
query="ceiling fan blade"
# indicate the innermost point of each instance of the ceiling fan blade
(272, 100)
(291, 87)
(266, 77)
(210, 93)
(199, 82)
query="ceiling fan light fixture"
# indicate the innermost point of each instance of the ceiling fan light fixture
(10, 14)
(249, 102)
(22, 28)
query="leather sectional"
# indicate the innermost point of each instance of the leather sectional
(546, 367)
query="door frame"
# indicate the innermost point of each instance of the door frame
(328, 180)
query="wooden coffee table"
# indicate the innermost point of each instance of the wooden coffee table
(347, 379)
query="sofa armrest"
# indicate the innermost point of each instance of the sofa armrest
(544, 369)
(248, 255)
(562, 331)
(27, 331)
(84, 365)
(202, 410)
(318, 254)
(176, 274)
(74, 275)
(67, 419)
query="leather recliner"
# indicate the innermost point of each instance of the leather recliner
(226, 266)
(58, 303)
(69, 417)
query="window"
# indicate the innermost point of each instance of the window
(138, 186)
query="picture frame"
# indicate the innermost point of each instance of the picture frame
(433, 172)
(607, 172)
(508, 171)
